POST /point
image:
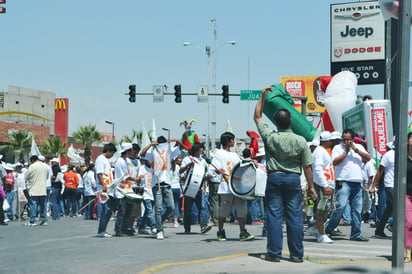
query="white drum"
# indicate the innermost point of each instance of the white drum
(133, 198)
(193, 180)
(247, 181)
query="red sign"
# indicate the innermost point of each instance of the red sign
(380, 136)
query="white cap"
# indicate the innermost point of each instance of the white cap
(126, 147)
(8, 166)
(336, 135)
(41, 158)
(325, 136)
(55, 160)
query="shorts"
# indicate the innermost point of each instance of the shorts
(325, 203)
(225, 205)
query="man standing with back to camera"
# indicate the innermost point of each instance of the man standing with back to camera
(286, 155)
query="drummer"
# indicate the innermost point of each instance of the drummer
(194, 158)
(223, 161)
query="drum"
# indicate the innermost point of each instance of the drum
(247, 181)
(133, 198)
(193, 180)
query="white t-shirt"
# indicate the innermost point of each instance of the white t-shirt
(102, 166)
(175, 177)
(225, 160)
(323, 173)
(48, 182)
(120, 168)
(160, 160)
(368, 171)
(388, 162)
(350, 169)
(89, 183)
(147, 181)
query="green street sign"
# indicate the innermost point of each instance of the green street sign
(249, 95)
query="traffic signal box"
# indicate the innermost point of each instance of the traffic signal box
(178, 93)
(225, 94)
(132, 93)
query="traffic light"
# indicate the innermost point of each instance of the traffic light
(178, 93)
(225, 94)
(2, 9)
(132, 93)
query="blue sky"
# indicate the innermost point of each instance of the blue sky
(91, 51)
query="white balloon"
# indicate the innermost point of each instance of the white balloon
(340, 96)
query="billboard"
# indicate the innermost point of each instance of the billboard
(61, 118)
(358, 41)
(308, 86)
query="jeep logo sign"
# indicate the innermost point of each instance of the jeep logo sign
(352, 32)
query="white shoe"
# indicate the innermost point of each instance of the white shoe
(313, 231)
(154, 230)
(160, 235)
(176, 225)
(104, 235)
(324, 239)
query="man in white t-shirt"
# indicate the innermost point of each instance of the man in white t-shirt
(347, 159)
(160, 157)
(324, 182)
(104, 177)
(386, 166)
(369, 172)
(224, 160)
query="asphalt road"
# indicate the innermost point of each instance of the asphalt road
(70, 246)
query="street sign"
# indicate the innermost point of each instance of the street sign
(202, 93)
(250, 95)
(158, 94)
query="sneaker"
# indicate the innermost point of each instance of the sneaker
(130, 232)
(296, 260)
(324, 239)
(44, 223)
(176, 225)
(270, 258)
(4, 223)
(246, 236)
(7, 220)
(30, 224)
(221, 235)
(143, 231)
(360, 239)
(205, 229)
(313, 231)
(337, 233)
(257, 223)
(104, 235)
(389, 227)
(154, 230)
(160, 235)
(380, 234)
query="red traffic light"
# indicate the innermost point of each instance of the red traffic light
(2, 10)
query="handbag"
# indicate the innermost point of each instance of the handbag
(5, 205)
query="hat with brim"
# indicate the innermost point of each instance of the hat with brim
(8, 166)
(126, 147)
(252, 134)
(325, 136)
(336, 135)
(55, 160)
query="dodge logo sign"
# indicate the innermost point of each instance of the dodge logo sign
(338, 51)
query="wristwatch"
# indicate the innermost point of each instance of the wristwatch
(356, 150)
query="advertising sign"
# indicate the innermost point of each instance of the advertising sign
(308, 86)
(61, 118)
(357, 37)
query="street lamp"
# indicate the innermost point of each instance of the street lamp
(168, 132)
(111, 123)
(209, 52)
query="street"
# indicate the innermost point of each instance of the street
(70, 246)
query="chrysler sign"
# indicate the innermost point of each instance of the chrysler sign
(357, 37)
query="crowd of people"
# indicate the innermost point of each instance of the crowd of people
(146, 187)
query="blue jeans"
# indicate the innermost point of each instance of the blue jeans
(381, 203)
(148, 216)
(352, 193)
(69, 196)
(88, 211)
(176, 198)
(10, 197)
(106, 213)
(164, 195)
(346, 216)
(34, 203)
(284, 197)
(252, 207)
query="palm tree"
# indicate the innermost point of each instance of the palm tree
(20, 143)
(138, 135)
(53, 147)
(86, 136)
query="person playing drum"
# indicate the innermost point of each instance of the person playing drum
(194, 167)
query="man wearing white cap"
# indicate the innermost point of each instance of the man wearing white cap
(36, 177)
(323, 179)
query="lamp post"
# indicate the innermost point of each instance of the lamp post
(168, 132)
(111, 123)
(208, 51)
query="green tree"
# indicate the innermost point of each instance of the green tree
(86, 136)
(20, 143)
(53, 147)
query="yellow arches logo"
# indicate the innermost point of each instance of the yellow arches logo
(23, 113)
(60, 104)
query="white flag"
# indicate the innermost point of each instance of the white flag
(145, 137)
(34, 149)
(154, 129)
